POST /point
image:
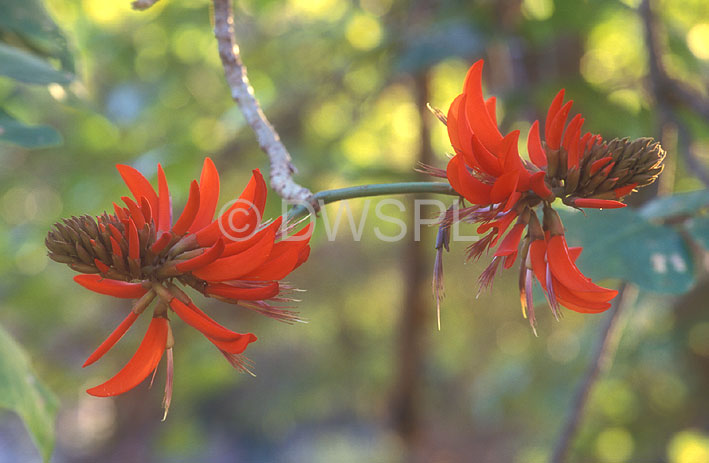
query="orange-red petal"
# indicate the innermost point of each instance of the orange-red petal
(242, 217)
(510, 244)
(202, 322)
(233, 267)
(475, 110)
(133, 241)
(143, 362)
(598, 203)
(184, 222)
(554, 108)
(112, 339)
(556, 128)
(115, 288)
(534, 146)
(255, 293)
(139, 186)
(539, 186)
(164, 213)
(206, 258)
(208, 196)
(563, 268)
(135, 212)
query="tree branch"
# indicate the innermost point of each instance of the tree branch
(143, 4)
(242, 92)
(364, 191)
(600, 362)
(669, 93)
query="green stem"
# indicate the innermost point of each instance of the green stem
(362, 191)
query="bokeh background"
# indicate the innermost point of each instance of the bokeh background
(369, 377)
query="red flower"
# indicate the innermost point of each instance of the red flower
(502, 187)
(139, 253)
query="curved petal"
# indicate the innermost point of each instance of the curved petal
(475, 110)
(255, 293)
(208, 196)
(134, 211)
(488, 162)
(539, 186)
(465, 184)
(556, 129)
(452, 123)
(233, 267)
(202, 322)
(598, 203)
(242, 217)
(143, 362)
(206, 258)
(510, 244)
(235, 346)
(235, 247)
(570, 134)
(534, 147)
(504, 187)
(283, 259)
(110, 287)
(112, 339)
(139, 186)
(189, 212)
(164, 210)
(563, 268)
(490, 104)
(554, 108)
(133, 241)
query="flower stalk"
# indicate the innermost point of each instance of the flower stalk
(363, 191)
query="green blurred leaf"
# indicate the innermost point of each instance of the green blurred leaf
(699, 229)
(23, 66)
(27, 136)
(681, 204)
(29, 20)
(21, 391)
(622, 244)
(426, 50)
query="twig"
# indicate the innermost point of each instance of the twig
(242, 92)
(143, 4)
(601, 360)
(363, 191)
(669, 92)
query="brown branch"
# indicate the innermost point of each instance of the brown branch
(242, 92)
(600, 362)
(143, 4)
(669, 93)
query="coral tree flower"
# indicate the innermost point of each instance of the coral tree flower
(505, 192)
(140, 253)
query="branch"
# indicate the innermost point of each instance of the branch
(668, 92)
(143, 4)
(361, 191)
(600, 362)
(242, 92)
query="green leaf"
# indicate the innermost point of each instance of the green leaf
(681, 204)
(622, 244)
(27, 136)
(29, 20)
(21, 391)
(23, 66)
(699, 229)
(426, 50)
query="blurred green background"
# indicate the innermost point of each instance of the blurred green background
(369, 377)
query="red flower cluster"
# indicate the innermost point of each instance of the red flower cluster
(579, 168)
(139, 253)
